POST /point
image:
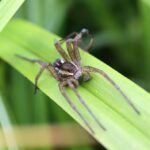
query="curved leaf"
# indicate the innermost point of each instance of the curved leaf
(125, 129)
(8, 9)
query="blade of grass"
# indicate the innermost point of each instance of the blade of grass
(124, 127)
(7, 10)
(7, 128)
(2, 75)
(20, 99)
(145, 19)
(147, 2)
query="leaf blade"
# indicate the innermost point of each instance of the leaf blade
(119, 119)
(8, 9)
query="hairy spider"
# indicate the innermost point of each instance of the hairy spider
(69, 71)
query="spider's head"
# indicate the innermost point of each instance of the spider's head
(67, 69)
(58, 63)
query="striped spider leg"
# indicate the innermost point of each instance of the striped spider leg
(44, 65)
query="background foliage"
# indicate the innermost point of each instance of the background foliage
(121, 31)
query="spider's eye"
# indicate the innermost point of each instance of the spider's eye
(62, 61)
(58, 63)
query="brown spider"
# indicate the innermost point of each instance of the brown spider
(68, 71)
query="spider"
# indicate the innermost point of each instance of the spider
(69, 71)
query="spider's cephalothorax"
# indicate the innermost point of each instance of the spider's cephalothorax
(68, 71)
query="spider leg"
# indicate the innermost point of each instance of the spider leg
(31, 60)
(50, 68)
(84, 103)
(90, 43)
(61, 50)
(73, 106)
(86, 77)
(53, 72)
(44, 65)
(92, 69)
(80, 35)
(38, 76)
(73, 51)
(72, 46)
(76, 52)
(68, 37)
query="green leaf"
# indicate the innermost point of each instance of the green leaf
(7, 10)
(6, 127)
(145, 22)
(147, 2)
(125, 129)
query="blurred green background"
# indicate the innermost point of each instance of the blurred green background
(121, 39)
